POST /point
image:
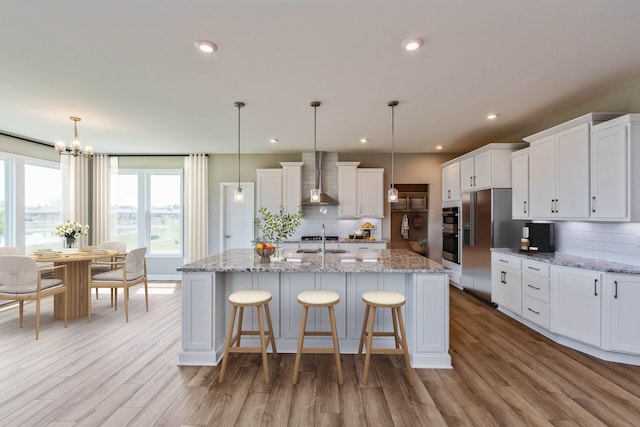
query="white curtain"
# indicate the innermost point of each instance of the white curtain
(75, 179)
(101, 224)
(197, 206)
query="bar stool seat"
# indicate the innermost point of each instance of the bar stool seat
(313, 299)
(249, 298)
(373, 301)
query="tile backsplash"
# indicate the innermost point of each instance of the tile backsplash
(616, 242)
(334, 226)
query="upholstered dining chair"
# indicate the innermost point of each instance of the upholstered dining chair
(10, 250)
(127, 273)
(21, 280)
(121, 247)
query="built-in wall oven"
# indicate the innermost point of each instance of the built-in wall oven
(450, 247)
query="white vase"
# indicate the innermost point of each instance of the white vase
(278, 255)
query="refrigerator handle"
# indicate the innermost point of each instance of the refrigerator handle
(473, 219)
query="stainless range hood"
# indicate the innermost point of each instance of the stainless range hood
(325, 199)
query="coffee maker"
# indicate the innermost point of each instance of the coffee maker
(541, 236)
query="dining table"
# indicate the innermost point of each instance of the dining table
(78, 276)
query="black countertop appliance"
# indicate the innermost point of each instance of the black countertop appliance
(542, 236)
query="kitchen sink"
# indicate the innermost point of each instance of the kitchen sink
(317, 251)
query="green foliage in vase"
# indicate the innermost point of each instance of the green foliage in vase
(277, 226)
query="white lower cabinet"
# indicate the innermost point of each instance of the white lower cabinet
(622, 299)
(575, 302)
(506, 282)
(535, 292)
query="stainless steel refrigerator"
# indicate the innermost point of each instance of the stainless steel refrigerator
(486, 224)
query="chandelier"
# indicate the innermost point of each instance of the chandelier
(76, 148)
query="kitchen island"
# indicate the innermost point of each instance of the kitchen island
(207, 283)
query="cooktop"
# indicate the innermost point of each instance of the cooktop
(319, 238)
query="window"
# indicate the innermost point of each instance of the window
(3, 204)
(42, 206)
(147, 207)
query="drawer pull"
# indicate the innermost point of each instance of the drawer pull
(533, 311)
(595, 287)
(534, 287)
(533, 268)
(615, 293)
(503, 260)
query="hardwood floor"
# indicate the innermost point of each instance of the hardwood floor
(114, 373)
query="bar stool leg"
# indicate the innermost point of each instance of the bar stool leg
(263, 346)
(271, 333)
(405, 346)
(225, 358)
(364, 330)
(336, 346)
(396, 337)
(367, 359)
(238, 337)
(303, 326)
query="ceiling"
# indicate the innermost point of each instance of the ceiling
(131, 71)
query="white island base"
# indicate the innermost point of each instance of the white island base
(206, 312)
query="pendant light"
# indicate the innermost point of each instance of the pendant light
(315, 191)
(392, 196)
(238, 195)
(76, 146)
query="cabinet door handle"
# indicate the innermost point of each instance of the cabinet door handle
(470, 181)
(552, 200)
(534, 287)
(595, 287)
(593, 204)
(533, 311)
(615, 289)
(525, 206)
(557, 210)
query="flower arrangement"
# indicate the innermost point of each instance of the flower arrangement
(71, 230)
(275, 227)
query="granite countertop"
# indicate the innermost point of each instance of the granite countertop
(572, 261)
(381, 261)
(345, 240)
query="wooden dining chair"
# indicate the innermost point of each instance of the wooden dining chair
(114, 245)
(21, 280)
(130, 272)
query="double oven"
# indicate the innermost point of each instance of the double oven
(450, 224)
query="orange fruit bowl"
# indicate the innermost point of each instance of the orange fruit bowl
(265, 254)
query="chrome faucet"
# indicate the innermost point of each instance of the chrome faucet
(324, 240)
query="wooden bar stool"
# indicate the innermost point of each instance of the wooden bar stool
(249, 298)
(394, 301)
(318, 298)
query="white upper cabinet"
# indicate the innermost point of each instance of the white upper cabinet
(269, 189)
(280, 188)
(451, 182)
(369, 192)
(347, 198)
(559, 184)
(520, 184)
(615, 157)
(560, 169)
(487, 167)
(292, 186)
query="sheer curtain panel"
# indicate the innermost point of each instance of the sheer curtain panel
(197, 206)
(75, 190)
(101, 224)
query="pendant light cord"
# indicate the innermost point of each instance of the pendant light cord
(392, 104)
(239, 105)
(315, 105)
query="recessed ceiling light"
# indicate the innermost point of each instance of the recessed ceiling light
(273, 140)
(492, 116)
(206, 46)
(412, 44)
(364, 140)
(439, 147)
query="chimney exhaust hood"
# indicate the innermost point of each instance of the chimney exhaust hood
(325, 199)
